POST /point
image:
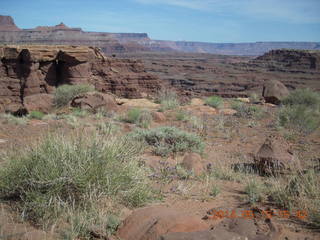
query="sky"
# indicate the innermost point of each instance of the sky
(225, 21)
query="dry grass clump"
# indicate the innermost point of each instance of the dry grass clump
(168, 99)
(246, 111)
(166, 140)
(140, 117)
(11, 119)
(70, 174)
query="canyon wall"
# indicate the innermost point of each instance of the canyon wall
(33, 69)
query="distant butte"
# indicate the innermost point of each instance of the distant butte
(7, 24)
(132, 42)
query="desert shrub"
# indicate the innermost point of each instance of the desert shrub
(301, 111)
(214, 101)
(299, 118)
(245, 110)
(132, 115)
(65, 93)
(299, 191)
(305, 97)
(11, 119)
(255, 191)
(73, 173)
(142, 118)
(78, 112)
(166, 140)
(215, 191)
(168, 99)
(182, 116)
(36, 115)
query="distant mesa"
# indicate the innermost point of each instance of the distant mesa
(132, 42)
(7, 24)
(60, 26)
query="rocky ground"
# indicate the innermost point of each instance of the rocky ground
(238, 169)
(232, 76)
(208, 198)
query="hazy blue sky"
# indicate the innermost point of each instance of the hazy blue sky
(193, 20)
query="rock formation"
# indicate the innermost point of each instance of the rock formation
(274, 91)
(35, 69)
(232, 76)
(275, 156)
(7, 24)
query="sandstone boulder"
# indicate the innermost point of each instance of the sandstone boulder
(274, 91)
(39, 102)
(152, 222)
(193, 162)
(159, 117)
(275, 156)
(95, 101)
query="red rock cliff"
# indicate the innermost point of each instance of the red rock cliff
(33, 69)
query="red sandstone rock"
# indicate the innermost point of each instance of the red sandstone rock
(274, 91)
(275, 156)
(39, 102)
(95, 101)
(193, 162)
(29, 70)
(152, 222)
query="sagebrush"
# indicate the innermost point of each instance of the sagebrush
(166, 140)
(72, 172)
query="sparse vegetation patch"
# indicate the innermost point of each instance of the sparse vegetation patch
(214, 101)
(166, 140)
(36, 115)
(65, 93)
(301, 111)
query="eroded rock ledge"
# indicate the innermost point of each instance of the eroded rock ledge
(33, 69)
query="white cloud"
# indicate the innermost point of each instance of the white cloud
(293, 11)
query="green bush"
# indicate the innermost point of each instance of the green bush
(132, 115)
(214, 101)
(73, 173)
(301, 111)
(245, 110)
(142, 118)
(65, 93)
(182, 116)
(36, 115)
(255, 191)
(166, 140)
(299, 117)
(305, 97)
